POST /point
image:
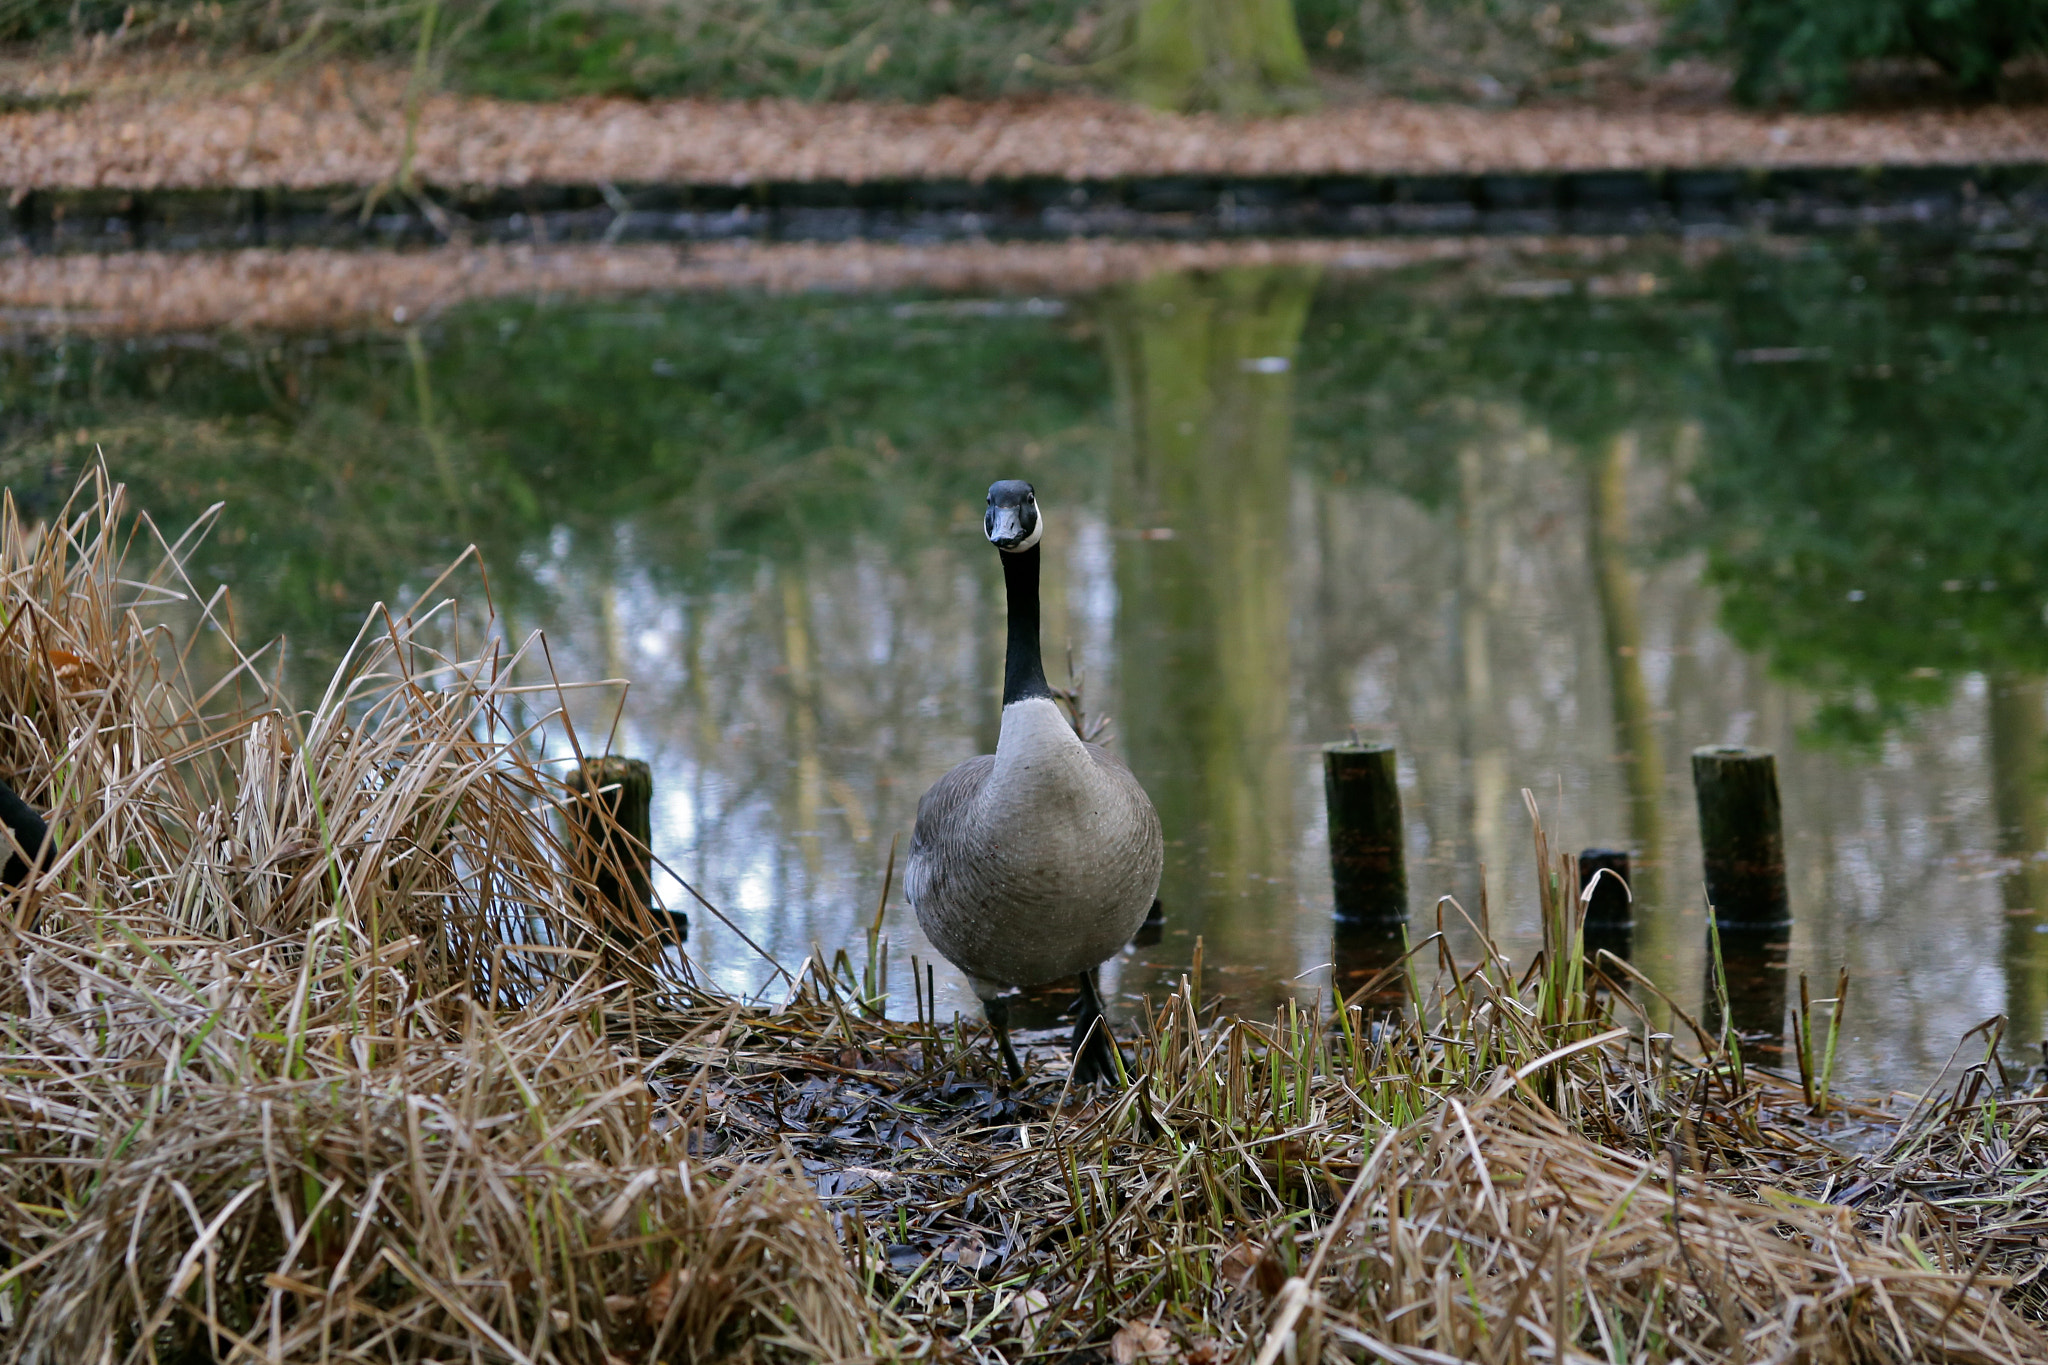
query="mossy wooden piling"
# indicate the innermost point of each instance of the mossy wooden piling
(1368, 869)
(1742, 836)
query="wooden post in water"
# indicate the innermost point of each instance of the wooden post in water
(1609, 906)
(1755, 963)
(612, 836)
(1365, 955)
(1368, 872)
(1610, 910)
(1742, 837)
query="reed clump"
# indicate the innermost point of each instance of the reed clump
(310, 1050)
(303, 1051)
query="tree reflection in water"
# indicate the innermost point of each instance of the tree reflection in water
(2017, 716)
(1201, 505)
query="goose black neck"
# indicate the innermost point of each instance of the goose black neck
(1023, 669)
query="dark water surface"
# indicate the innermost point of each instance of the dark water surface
(1542, 528)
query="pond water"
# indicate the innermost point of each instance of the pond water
(1540, 525)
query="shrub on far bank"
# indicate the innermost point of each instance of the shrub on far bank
(1491, 51)
(916, 50)
(552, 49)
(1807, 51)
(811, 49)
(1802, 52)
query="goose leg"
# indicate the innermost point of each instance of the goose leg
(1095, 1056)
(998, 1012)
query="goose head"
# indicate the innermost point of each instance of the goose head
(1013, 521)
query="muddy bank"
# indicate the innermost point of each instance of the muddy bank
(334, 129)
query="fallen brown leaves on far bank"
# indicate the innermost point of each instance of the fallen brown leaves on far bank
(345, 126)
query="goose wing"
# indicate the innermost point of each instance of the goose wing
(1148, 839)
(938, 840)
(1107, 759)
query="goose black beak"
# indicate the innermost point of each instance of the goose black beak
(1008, 527)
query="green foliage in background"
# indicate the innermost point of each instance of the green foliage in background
(1240, 55)
(26, 20)
(813, 49)
(264, 23)
(1806, 51)
(1248, 57)
(551, 49)
(1492, 51)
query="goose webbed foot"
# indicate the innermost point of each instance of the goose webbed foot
(1095, 1057)
(998, 1011)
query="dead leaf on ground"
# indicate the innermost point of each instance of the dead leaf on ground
(661, 1294)
(1136, 1341)
(1030, 1310)
(1250, 1265)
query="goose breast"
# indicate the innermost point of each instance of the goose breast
(1034, 863)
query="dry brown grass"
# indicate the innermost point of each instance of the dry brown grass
(305, 1055)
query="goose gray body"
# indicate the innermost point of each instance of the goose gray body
(1035, 862)
(1040, 860)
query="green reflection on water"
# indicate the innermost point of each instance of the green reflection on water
(2018, 716)
(1638, 748)
(718, 429)
(1204, 377)
(1873, 483)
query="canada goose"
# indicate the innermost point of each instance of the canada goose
(1038, 861)
(31, 835)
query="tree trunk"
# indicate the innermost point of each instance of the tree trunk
(1239, 56)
